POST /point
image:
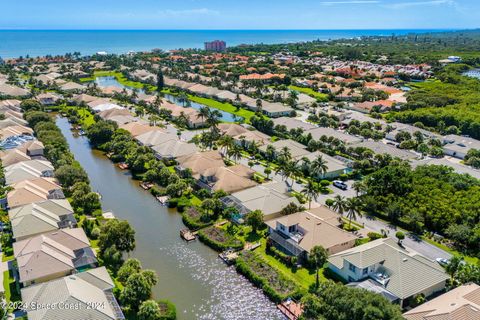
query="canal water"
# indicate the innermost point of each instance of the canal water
(190, 275)
(112, 81)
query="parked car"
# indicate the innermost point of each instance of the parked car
(340, 184)
(442, 261)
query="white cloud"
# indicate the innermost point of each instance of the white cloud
(403, 5)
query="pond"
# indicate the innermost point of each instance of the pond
(190, 275)
(112, 81)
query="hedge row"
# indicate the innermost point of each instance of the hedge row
(232, 243)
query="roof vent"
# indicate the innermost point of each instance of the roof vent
(405, 259)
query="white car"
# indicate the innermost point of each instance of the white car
(442, 261)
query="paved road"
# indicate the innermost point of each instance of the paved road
(422, 247)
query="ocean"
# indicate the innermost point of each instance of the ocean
(16, 43)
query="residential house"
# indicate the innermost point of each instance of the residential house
(138, 128)
(296, 149)
(173, 149)
(335, 167)
(53, 255)
(199, 162)
(393, 267)
(12, 91)
(458, 146)
(292, 123)
(229, 179)
(48, 99)
(296, 234)
(40, 217)
(270, 198)
(194, 120)
(379, 147)
(461, 303)
(82, 290)
(402, 127)
(13, 156)
(34, 190)
(26, 170)
(320, 132)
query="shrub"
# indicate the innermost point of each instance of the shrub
(218, 239)
(374, 235)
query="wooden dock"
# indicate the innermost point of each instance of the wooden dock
(228, 256)
(251, 246)
(291, 309)
(187, 235)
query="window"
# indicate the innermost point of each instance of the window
(292, 228)
(282, 227)
(352, 267)
(365, 271)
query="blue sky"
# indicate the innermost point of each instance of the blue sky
(240, 14)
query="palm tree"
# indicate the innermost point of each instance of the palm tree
(213, 120)
(285, 154)
(203, 113)
(225, 142)
(235, 153)
(310, 191)
(183, 119)
(359, 187)
(319, 256)
(318, 167)
(353, 209)
(339, 204)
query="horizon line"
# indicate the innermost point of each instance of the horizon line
(328, 29)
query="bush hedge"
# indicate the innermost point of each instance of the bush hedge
(218, 239)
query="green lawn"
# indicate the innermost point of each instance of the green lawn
(311, 92)
(11, 291)
(6, 258)
(227, 107)
(301, 276)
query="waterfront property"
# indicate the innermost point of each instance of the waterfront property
(270, 198)
(53, 255)
(297, 233)
(40, 217)
(83, 290)
(401, 271)
(26, 170)
(34, 190)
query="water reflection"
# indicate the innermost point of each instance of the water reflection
(190, 275)
(112, 82)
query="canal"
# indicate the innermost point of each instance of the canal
(190, 275)
(113, 82)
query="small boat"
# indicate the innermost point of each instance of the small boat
(187, 235)
(123, 165)
(228, 256)
(163, 199)
(146, 185)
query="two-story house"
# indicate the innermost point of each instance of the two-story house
(401, 271)
(296, 234)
